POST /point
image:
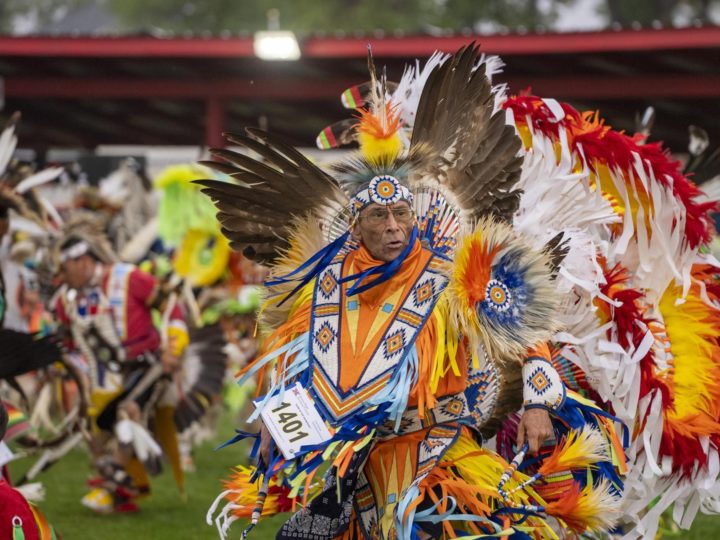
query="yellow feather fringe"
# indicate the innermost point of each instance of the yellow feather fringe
(470, 474)
(692, 328)
(579, 450)
(305, 240)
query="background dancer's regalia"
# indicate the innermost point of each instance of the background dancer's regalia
(23, 213)
(106, 309)
(410, 360)
(19, 519)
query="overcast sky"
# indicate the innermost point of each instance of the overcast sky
(579, 15)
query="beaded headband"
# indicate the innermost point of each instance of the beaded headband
(383, 190)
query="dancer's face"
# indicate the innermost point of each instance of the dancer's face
(385, 230)
(79, 271)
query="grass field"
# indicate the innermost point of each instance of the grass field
(164, 516)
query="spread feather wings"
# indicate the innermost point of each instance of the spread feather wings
(477, 159)
(256, 214)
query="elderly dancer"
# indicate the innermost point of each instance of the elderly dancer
(406, 320)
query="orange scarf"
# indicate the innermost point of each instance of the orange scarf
(363, 328)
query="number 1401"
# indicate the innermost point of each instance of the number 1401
(289, 422)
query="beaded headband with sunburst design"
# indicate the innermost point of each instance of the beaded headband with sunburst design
(384, 190)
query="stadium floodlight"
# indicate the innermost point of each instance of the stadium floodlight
(276, 45)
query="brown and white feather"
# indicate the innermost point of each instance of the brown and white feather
(279, 184)
(476, 153)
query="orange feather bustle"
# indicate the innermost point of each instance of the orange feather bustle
(692, 329)
(476, 270)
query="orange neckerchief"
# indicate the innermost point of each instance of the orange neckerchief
(362, 331)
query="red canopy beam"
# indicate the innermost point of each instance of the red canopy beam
(356, 47)
(126, 47)
(294, 90)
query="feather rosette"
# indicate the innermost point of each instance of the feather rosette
(501, 292)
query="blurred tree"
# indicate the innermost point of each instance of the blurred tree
(412, 16)
(646, 12)
(330, 15)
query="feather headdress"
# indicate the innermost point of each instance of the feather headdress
(17, 183)
(461, 157)
(379, 172)
(85, 228)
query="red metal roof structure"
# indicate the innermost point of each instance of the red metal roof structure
(85, 91)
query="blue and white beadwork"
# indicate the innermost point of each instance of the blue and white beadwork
(508, 294)
(407, 321)
(384, 190)
(542, 385)
(474, 406)
(497, 295)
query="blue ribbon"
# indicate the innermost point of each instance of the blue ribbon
(518, 511)
(397, 389)
(428, 516)
(576, 415)
(298, 347)
(239, 436)
(322, 259)
(429, 513)
(295, 346)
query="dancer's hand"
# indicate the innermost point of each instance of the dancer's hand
(170, 362)
(535, 428)
(131, 409)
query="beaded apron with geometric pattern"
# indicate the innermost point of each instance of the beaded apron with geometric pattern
(395, 344)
